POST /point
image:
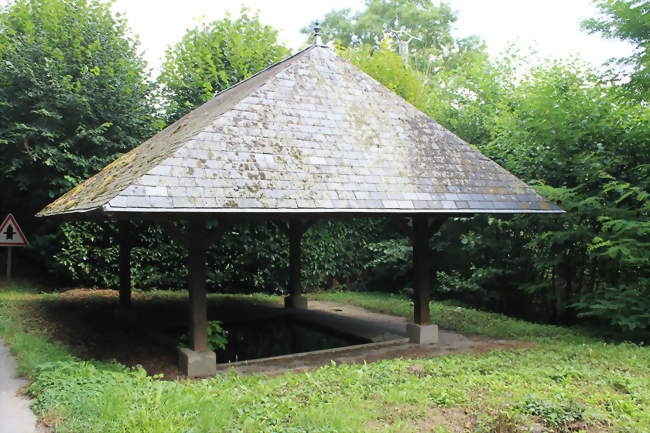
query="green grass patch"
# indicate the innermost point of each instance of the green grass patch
(24, 334)
(566, 382)
(462, 319)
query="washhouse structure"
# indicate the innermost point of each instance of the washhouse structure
(310, 137)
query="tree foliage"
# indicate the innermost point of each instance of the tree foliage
(627, 20)
(426, 27)
(251, 257)
(213, 57)
(73, 96)
(388, 68)
(567, 129)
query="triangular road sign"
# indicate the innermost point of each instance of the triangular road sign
(11, 234)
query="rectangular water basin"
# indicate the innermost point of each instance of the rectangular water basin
(279, 336)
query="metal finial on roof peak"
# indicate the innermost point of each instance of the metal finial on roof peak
(318, 40)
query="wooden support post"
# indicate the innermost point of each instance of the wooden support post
(197, 248)
(198, 360)
(125, 244)
(421, 331)
(295, 257)
(421, 270)
(295, 231)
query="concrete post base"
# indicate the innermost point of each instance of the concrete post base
(422, 334)
(197, 364)
(299, 302)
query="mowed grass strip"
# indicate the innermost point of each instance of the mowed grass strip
(460, 319)
(566, 382)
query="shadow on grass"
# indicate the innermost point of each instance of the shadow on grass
(87, 323)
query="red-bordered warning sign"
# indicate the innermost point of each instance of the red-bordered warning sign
(11, 234)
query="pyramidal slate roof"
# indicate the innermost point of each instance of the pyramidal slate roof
(312, 133)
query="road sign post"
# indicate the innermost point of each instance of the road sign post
(11, 236)
(8, 264)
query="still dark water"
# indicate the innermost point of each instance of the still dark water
(278, 336)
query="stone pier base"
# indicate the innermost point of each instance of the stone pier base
(197, 364)
(422, 334)
(299, 302)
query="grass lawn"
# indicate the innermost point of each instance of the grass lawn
(568, 381)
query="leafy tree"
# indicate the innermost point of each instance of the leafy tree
(426, 25)
(429, 22)
(388, 68)
(73, 96)
(628, 20)
(565, 128)
(213, 57)
(466, 99)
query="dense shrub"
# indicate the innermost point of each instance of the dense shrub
(251, 257)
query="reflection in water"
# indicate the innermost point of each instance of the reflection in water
(278, 336)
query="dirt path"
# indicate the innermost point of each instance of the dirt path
(15, 414)
(378, 326)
